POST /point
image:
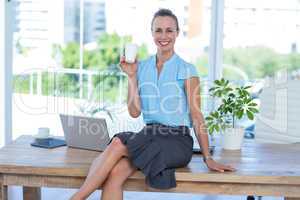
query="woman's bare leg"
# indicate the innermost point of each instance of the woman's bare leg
(113, 186)
(100, 168)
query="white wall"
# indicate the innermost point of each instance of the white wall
(1, 72)
(5, 73)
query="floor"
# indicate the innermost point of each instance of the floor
(15, 193)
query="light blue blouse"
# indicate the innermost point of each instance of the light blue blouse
(163, 97)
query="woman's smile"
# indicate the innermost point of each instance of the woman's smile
(164, 43)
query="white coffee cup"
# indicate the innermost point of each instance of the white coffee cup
(130, 52)
(43, 132)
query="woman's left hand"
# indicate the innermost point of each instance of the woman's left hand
(214, 166)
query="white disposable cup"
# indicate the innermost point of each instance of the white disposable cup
(43, 132)
(130, 52)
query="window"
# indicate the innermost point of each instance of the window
(42, 86)
(260, 39)
(66, 54)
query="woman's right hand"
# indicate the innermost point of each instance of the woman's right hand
(129, 68)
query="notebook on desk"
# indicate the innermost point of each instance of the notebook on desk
(48, 143)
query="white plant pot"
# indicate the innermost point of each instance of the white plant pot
(233, 138)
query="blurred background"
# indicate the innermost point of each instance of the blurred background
(66, 53)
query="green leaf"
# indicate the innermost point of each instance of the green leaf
(209, 124)
(228, 89)
(217, 128)
(215, 114)
(246, 93)
(209, 118)
(248, 100)
(254, 110)
(231, 95)
(212, 89)
(250, 115)
(252, 104)
(211, 130)
(240, 114)
(217, 82)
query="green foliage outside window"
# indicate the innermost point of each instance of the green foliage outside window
(21, 83)
(255, 62)
(259, 62)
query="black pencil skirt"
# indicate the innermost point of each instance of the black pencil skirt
(157, 150)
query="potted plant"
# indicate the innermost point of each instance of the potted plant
(235, 103)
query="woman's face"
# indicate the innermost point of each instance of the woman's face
(164, 32)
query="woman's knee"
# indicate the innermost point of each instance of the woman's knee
(119, 174)
(117, 146)
(122, 169)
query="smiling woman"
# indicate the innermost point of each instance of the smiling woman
(164, 143)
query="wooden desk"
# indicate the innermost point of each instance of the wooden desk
(263, 169)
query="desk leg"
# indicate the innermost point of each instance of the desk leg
(3, 192)
(291, 198)
(31, 193)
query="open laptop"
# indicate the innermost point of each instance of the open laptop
(196, 148)
(85, 132)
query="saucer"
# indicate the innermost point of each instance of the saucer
(37, 136)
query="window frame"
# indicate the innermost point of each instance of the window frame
(216, 45)
(6, 27)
